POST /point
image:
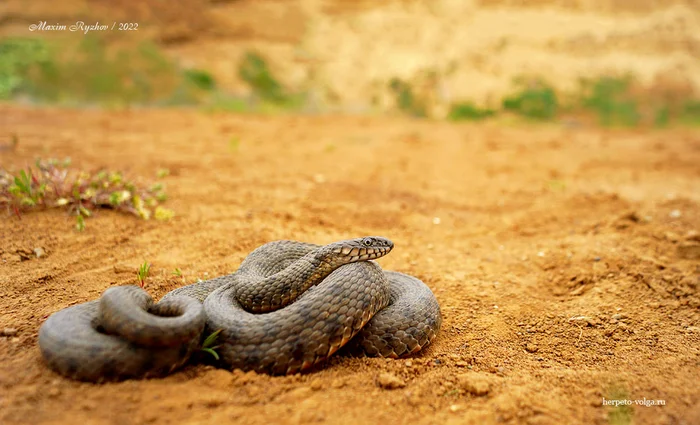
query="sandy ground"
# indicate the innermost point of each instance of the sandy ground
(566, 263)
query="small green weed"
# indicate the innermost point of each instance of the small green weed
(142, 273)
(80, 223)
(53, 184)
(163, 214)
(208, 344)
(162, 173)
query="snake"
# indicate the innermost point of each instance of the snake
(289, 307)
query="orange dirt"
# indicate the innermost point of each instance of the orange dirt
(566, 263)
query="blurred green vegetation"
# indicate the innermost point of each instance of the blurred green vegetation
(690, 114)
(255, 72)
(612, 101)
(273, 96)
(469, 111)
(16, 57)
(405, 99)
(89, 72)
(534, 99)
(93, 72)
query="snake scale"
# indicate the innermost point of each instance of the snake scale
(288, 307)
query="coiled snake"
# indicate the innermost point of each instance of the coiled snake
(289, 306)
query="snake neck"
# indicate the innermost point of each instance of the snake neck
(284, 287)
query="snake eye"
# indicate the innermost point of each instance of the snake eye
(367, 242)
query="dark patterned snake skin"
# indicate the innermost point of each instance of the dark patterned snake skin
(289, 306)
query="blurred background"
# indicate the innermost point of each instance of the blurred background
(595, 62)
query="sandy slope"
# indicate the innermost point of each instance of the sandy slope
(344, 53)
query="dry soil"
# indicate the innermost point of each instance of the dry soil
(565, 260)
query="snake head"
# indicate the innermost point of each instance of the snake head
(360, 249)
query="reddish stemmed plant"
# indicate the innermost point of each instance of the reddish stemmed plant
(54, 184)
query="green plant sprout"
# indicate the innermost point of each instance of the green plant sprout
(142, 273)
(208, 344)
(80, 223)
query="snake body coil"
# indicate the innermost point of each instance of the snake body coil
(289, 306)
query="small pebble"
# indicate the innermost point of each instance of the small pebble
(689, 250)
(671, 236)
(531, 348)
(9, 332)
(474, 384)
(316, 384)
(88, 405)
(213, 401)
(120, 268)
(592, 322)
(675, 214)
(389, 381)
(413, 399)
(294, 395)
(39, 252)
(220, 379)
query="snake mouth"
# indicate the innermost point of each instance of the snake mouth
(359, 249)
(362, 254)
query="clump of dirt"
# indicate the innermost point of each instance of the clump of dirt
(565, 262)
